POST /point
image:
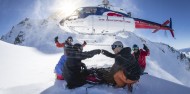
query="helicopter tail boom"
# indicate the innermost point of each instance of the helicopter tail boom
(140, 23)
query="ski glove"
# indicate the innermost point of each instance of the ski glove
(56, 39)
(108, 54)
(145, 47)
(83, 66)
(104, 52)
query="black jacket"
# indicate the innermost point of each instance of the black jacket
(72, 72)
(125, 52)
(125, 61)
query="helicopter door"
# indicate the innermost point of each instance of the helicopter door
(115, 23)
(90, 19)
(99, 24)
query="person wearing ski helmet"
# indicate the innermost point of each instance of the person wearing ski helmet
(66, 45)
(140, 55)
(74, 71)
(125, 70)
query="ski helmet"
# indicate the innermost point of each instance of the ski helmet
(117, 44)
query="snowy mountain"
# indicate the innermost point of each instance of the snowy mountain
(35, 63)
(186, 51)
(32, 73)
(35, 33)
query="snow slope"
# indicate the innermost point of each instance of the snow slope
(25, 70)
(24, 65)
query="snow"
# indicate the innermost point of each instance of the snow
(27, 68)
(19, 65)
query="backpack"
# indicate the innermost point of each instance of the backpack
(95, 75)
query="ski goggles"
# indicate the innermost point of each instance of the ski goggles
(135, 48)
(70, 40)
(115, 46)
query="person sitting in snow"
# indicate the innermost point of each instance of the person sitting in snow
(74, 71)
(140, 55)
(125, 70)
(66, 45)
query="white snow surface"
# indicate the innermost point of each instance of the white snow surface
(25, 70)
(29, 70)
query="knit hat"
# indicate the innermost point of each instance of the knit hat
(78, 47)
(135, 46)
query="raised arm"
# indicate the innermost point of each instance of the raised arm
(84, 44)
(90, 54)
(83, 55)
(57, 43)
(147, 51)
(108, 54)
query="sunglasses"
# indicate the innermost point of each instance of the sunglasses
(115, 46)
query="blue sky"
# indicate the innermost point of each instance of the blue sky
(13, 11)
(161, 10)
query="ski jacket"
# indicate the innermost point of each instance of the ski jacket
(124, 60)
(142, 57)
(72, 72)
(125, 52)
(66, 46)
(59, 66)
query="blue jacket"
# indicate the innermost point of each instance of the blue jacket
(59, 66)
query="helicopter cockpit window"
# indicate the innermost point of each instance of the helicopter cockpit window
(80, 9)
(102, 10)
(90, 10)
(73, 17)
(76, 12)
